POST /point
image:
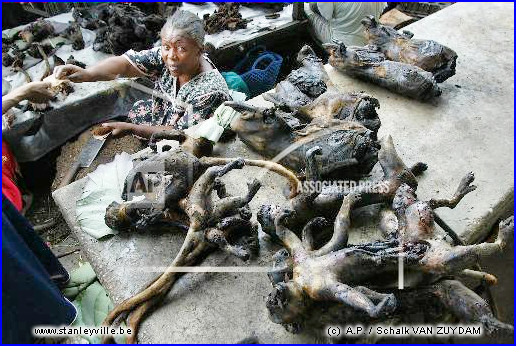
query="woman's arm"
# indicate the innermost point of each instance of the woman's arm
(35, 91)
(144, 131)
(108, 69)
(10, 100)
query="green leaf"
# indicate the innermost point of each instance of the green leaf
(93, 305)
(80, 279)
(91, 301)
(104, 186)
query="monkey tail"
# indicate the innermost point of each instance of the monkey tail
(294, 183)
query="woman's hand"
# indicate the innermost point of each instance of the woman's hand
(37, 92)
(119, 127)
(73, 73)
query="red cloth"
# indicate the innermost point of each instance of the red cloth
(9, 173)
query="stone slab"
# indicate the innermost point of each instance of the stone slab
(470, 127)
(202, 307)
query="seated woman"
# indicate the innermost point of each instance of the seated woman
(188, 88)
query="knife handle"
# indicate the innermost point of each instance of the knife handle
(70, 175)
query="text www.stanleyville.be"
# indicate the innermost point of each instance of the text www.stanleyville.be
(403, 331)
(49, 331)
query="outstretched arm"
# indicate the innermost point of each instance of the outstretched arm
(108, 69)
(35, 91)
(143, 131)
(463, 189)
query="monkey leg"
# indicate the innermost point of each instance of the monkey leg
(307, 235)
(464, 188)
(376, 297)
(138, 315)
(289, 239)
(312, 171)
(468, 306)
(198, 204)
(234, 164)
(392, 164)
(135, 317)
(137, 306)
(418, 168)
(220, 188)
(176, 135)
(360, 299)
(230, 205)
(218, 237)
(282, 268)
(340, 231)
(191, 249)
(457, 258)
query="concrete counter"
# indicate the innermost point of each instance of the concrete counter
(470, 127)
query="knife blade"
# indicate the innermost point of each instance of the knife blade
(88, 153)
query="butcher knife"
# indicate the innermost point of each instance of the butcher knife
(88, 154)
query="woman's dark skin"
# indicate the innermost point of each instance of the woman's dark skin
(181, 54)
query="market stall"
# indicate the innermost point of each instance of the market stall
(449, 134)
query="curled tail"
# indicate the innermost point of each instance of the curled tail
(293, 181)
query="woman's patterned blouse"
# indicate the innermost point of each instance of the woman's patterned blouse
(194, 101)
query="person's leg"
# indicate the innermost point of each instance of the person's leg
(30, 297)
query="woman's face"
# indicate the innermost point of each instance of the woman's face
(180, 53)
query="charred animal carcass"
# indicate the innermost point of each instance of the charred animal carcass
(302, 85)
(364, 277)
(74, 34)
(213, 223)
(352, 106)
(308, 93)
(120, 27)
(226, 17)
(174, 173)
(309, 204)
(349, 149)
(37, 31)
(426, 54)
(368, 64)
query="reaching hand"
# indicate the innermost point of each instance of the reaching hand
(119, 127)
(73, 73)
(37, 92)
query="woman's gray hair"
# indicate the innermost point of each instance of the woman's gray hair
(191, 25)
